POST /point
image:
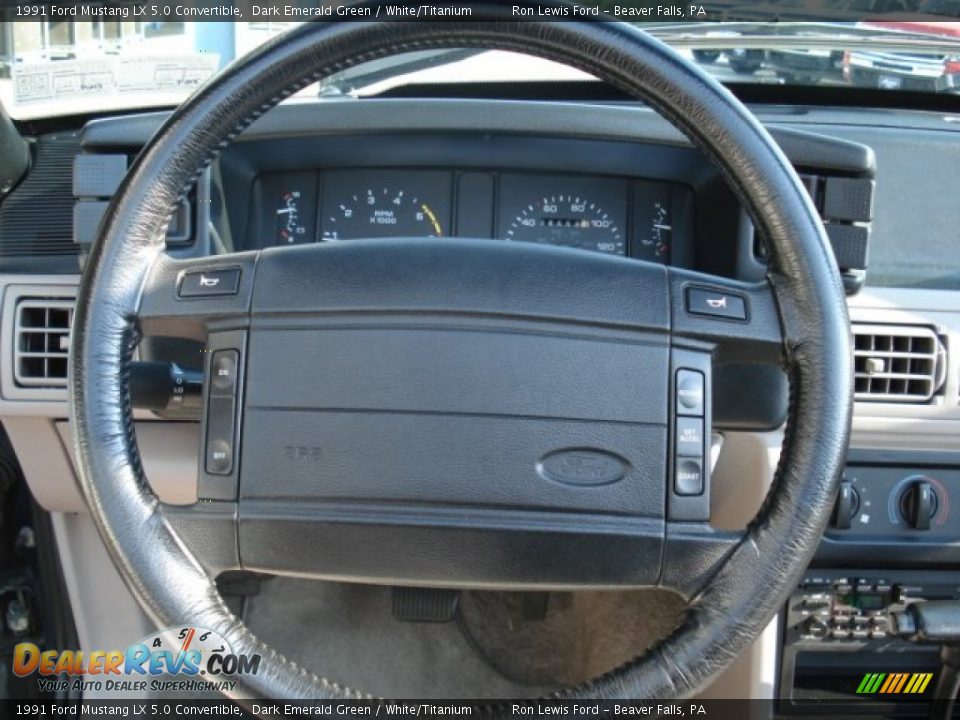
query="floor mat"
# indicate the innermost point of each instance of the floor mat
(346, 633)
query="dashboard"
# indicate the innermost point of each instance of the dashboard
(609, 179)
(613, 215)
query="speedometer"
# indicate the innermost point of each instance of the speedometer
(568, 220)
(588, 213)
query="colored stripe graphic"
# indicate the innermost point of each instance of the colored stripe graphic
(891, 683)
(870, 683)
(894, 683)
(903, 680)
(911, 684)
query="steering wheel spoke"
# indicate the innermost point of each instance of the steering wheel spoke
(209, 529)
(739, 321)
(191, 298)
(717, 324)
(692, 554)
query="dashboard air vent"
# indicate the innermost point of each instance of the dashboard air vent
(897, 363)
(42, 339)
(36, 219)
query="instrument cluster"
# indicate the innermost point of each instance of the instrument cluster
(612, 215)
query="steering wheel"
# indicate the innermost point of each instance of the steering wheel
(463, 413)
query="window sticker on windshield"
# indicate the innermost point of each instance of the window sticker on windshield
(37, 82)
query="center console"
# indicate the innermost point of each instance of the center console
(894, 540)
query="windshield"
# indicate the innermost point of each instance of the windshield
(53, 64)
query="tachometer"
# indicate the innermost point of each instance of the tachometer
(384, 204)
(382, 212)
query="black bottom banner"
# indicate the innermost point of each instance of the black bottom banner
(712, 709)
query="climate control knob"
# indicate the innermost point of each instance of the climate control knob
(848, 503)
(918, 504)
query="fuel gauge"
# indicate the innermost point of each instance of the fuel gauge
(660, 233)
(653, 222)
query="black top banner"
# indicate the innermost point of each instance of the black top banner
(670, 11)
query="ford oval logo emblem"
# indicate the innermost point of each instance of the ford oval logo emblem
(582, 466)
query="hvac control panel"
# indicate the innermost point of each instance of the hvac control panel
(896, 502)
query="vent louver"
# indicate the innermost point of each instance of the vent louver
(36, 219)
(897, 363)
(42, 340)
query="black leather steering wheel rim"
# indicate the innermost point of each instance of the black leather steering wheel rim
(722, 619)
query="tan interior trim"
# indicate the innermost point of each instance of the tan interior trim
(169, 451)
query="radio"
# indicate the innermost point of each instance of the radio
(843, 608)
(837, 631)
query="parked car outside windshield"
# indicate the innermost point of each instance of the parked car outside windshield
(60, 68)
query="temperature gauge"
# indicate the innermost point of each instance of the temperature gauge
(290, 226)
(289, 208)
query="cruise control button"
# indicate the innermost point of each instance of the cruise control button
(209, 283)
(690, 437)
(689, 393)
(219, 458)
(716, 303)
(689, 476)
(223, 372)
